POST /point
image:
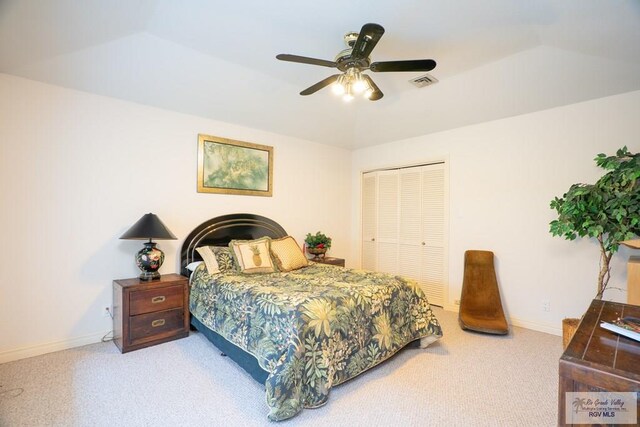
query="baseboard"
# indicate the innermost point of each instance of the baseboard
(534, 326)
(38, 349)
(451, 307)
(540, 327)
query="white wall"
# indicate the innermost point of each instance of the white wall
(76, 170)
(503, 174)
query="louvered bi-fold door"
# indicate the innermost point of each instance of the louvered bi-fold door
(410, 241)
(387, 233)
(434, 233)
(369, 223)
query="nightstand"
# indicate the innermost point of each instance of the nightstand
(330, 260)
(146, 313)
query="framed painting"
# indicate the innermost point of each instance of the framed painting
(234, 167)
(227, 166)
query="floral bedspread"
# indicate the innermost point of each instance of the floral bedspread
(312, 328)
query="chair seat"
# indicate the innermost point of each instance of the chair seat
(488, 325)
(480, 303)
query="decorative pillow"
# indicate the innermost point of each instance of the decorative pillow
(222, 260)
(226, 264)
(209, 259)
(252, 256)
(287, 254)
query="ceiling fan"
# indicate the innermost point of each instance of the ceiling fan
(355, 59)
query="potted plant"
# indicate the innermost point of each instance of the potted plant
(608, 211)
(317, 244)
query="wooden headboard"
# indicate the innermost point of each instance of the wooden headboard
(221, 230)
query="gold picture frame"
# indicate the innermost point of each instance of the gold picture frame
(227, 166)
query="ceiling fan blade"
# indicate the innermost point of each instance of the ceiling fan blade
(377, 93)
(411, 65)
(306, 60)
(323, 83)
(369, 36)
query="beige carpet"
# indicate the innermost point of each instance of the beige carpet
(466, 379)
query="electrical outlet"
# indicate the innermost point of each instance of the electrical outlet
(106, 312)
(545, 305)
(456, 302)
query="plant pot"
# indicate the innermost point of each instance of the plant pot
(317, 252)
(569, 327)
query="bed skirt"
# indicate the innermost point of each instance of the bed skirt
(238, 355)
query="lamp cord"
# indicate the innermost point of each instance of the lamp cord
(106, 336)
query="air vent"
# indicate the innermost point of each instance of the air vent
(422, 81)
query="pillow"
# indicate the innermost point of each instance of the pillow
(193, 265)
(226, 263)
(252, 256)
(287, 254)
(209, 259)
(218, 259)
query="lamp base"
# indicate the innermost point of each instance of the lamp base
(147, 275)
(149, 260)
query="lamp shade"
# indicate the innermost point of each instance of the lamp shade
(148, 227)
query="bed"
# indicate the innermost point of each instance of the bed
(303, 331)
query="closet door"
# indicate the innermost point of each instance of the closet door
(369, 222)
(410, 234)
(404, 226)
(387, 230)
(434, 228)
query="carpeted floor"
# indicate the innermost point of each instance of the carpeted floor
(465, 379)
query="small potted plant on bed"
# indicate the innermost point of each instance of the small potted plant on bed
(608, 211)
(317, 244)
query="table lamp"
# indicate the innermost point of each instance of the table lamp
(150, 258)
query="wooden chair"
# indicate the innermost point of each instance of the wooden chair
(480, 304)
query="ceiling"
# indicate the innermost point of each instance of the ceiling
(216, 59)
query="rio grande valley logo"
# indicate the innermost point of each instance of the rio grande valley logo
(601, 407)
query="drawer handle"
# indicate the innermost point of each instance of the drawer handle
(156, 300)
(156, 323)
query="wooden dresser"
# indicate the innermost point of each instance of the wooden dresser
(597, 359)
(150, 312)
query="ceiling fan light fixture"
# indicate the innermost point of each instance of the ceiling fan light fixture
(368, 92)
(348, 96)
(338, 88)
(359, 84)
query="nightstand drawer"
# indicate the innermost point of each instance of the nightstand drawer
(155, 299)
(153, 326)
